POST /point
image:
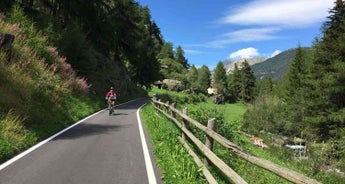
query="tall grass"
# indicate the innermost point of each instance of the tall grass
(40, 92)
(13, 135)
(175, 163)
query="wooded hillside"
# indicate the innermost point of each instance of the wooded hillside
(108, 42)
(277, 66)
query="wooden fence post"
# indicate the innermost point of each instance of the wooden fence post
(173, 113)
(209, 140)
(167, 108)
(153, 101)
(184, 122)
(159, 105)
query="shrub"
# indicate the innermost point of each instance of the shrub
(267, 113)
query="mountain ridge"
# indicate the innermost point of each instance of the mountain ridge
(230, 64)
(274, 67)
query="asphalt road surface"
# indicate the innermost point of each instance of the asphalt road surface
(100, 149)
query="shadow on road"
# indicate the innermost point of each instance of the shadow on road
(88, 129)
(132, 104)
(99, 127)
(116, 114)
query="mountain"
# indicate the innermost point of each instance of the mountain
(230, 64)
(275, 67)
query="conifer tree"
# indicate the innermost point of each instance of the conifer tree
(296, 93)
(179, 56)
(144, 66)
(219, 79)
(193, 77)
(166, 51)
(327, 106)
(234, 82)
(247, 82)
(204, 79)
(296, 72)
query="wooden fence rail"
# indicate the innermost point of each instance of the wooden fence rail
(171, 112)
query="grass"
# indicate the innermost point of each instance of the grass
(40, 93)
(231, 116)
(232, 112)
(175, 163)
(13, 135)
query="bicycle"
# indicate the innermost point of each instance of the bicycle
(111, 105)
(111, 97)
(111, 109)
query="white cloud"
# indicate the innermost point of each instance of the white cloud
(264, 20)
(244, 53)
(253, 34)
(275, 53)
(290, 13)
(192, 51)
(244, 35)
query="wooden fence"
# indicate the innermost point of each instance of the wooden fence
(171, 112)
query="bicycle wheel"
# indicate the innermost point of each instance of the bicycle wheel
(111, 110)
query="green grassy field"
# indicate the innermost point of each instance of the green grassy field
(230, 119)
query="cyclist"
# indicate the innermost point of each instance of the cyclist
(111, 97)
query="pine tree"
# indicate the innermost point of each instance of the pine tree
(179, 55)
(144, 66)
(247, 82)
(157, 37)
(297, 76)
(166, 51)
(328, 77)
(192, 77)
(204, 79)
(234, 82)
(296, 93)
(219, 79)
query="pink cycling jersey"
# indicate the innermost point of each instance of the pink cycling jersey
(111, 92)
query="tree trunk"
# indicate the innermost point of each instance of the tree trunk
(6, 41)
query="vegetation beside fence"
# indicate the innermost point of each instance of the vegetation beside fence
(170, 111)
(175, 164)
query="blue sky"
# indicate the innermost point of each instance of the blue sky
(213, 31)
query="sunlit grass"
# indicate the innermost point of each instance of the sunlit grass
(13, 135)
(232, 116)
(171, 157)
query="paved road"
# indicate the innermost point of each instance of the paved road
(101, 149)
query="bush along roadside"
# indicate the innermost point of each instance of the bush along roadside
(173, 160)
